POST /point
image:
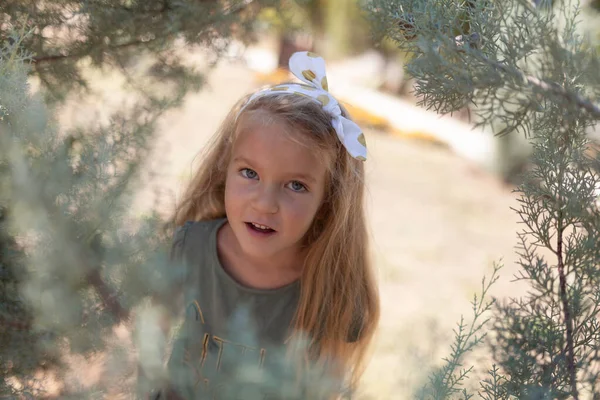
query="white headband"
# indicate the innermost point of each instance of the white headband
(310, 68)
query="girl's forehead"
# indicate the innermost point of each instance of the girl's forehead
(273, 140)
(257, 121)
(272, 136)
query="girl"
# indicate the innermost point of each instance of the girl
(272, 228)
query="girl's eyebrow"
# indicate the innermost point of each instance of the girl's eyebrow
(304, 177)
(242, 159)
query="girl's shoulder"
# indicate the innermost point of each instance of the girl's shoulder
(193, 235)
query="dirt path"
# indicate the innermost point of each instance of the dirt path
(438, 226)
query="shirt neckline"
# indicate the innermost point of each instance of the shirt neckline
(225, 275)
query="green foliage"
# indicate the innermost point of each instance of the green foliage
(74, 263)
(493, 66)
(15, 315)
(63, 230)
(115, 33)
(524, 68)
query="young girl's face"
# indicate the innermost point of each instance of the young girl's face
(274, 188)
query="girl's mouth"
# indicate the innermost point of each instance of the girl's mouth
(261, 229)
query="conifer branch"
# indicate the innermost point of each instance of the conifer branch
(138, 42)
(566, 309)
(109, 299)
(473, 41)
(548, 87)
(166, 6)
(57, 57)
(533, 74)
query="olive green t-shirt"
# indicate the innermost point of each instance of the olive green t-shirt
(226, 324)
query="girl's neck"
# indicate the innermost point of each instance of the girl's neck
(269, 273)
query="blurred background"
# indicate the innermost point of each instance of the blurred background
(439, 192)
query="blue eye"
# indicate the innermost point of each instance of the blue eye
(249, 173)
(297, 186)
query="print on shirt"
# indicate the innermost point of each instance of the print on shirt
(210, 359)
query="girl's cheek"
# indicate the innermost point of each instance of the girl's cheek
(233, 188)
(240, 187)
(299, 207)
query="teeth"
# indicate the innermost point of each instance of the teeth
(260, 226)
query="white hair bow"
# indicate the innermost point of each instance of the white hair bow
(310, 68)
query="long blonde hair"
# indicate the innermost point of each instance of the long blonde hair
(338, 297)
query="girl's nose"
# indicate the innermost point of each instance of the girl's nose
(266, 200)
